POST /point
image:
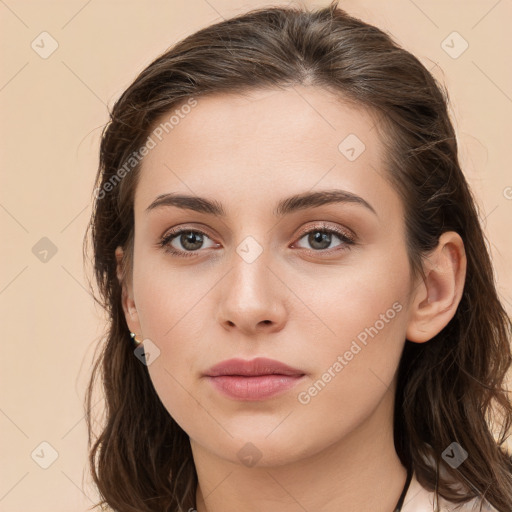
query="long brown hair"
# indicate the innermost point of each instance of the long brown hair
(450, 389)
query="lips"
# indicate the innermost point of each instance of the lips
(257, 379)
(252, 368)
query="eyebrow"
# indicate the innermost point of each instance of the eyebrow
(285, 206)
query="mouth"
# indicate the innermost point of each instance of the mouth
(257, 379)
(252, 368)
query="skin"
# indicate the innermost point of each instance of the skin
(296, 303)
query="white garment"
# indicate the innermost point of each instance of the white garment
(418, 499)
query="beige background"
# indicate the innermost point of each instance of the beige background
(52, 113)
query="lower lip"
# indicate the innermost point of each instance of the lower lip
(254, 388)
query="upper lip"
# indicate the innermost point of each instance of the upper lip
(253, 367)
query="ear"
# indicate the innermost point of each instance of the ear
(127, 300)
(437, 297)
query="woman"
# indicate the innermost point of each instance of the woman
(302, 307)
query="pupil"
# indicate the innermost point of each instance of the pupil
(189, 240)
(324, 239)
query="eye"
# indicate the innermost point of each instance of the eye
(187, 242)
(320, 238)
(190, 240)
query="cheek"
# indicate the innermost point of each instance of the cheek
(168, 297)
(366, 302)
(356, 366)
(169, 310)
(357, 358)
(168, 320)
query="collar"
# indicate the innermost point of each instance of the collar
(419, 499)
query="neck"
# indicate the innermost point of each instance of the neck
(359, 472)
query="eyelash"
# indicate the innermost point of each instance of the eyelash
(347, 240)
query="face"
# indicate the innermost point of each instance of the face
(322, 285)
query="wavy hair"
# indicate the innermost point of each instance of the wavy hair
(450, 389)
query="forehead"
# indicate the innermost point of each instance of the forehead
(247, 147)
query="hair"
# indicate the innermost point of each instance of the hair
(450, 389)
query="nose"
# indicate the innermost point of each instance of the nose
(252, 298)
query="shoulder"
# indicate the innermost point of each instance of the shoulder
(419, 499)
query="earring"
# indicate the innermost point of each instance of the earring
(134, 338)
